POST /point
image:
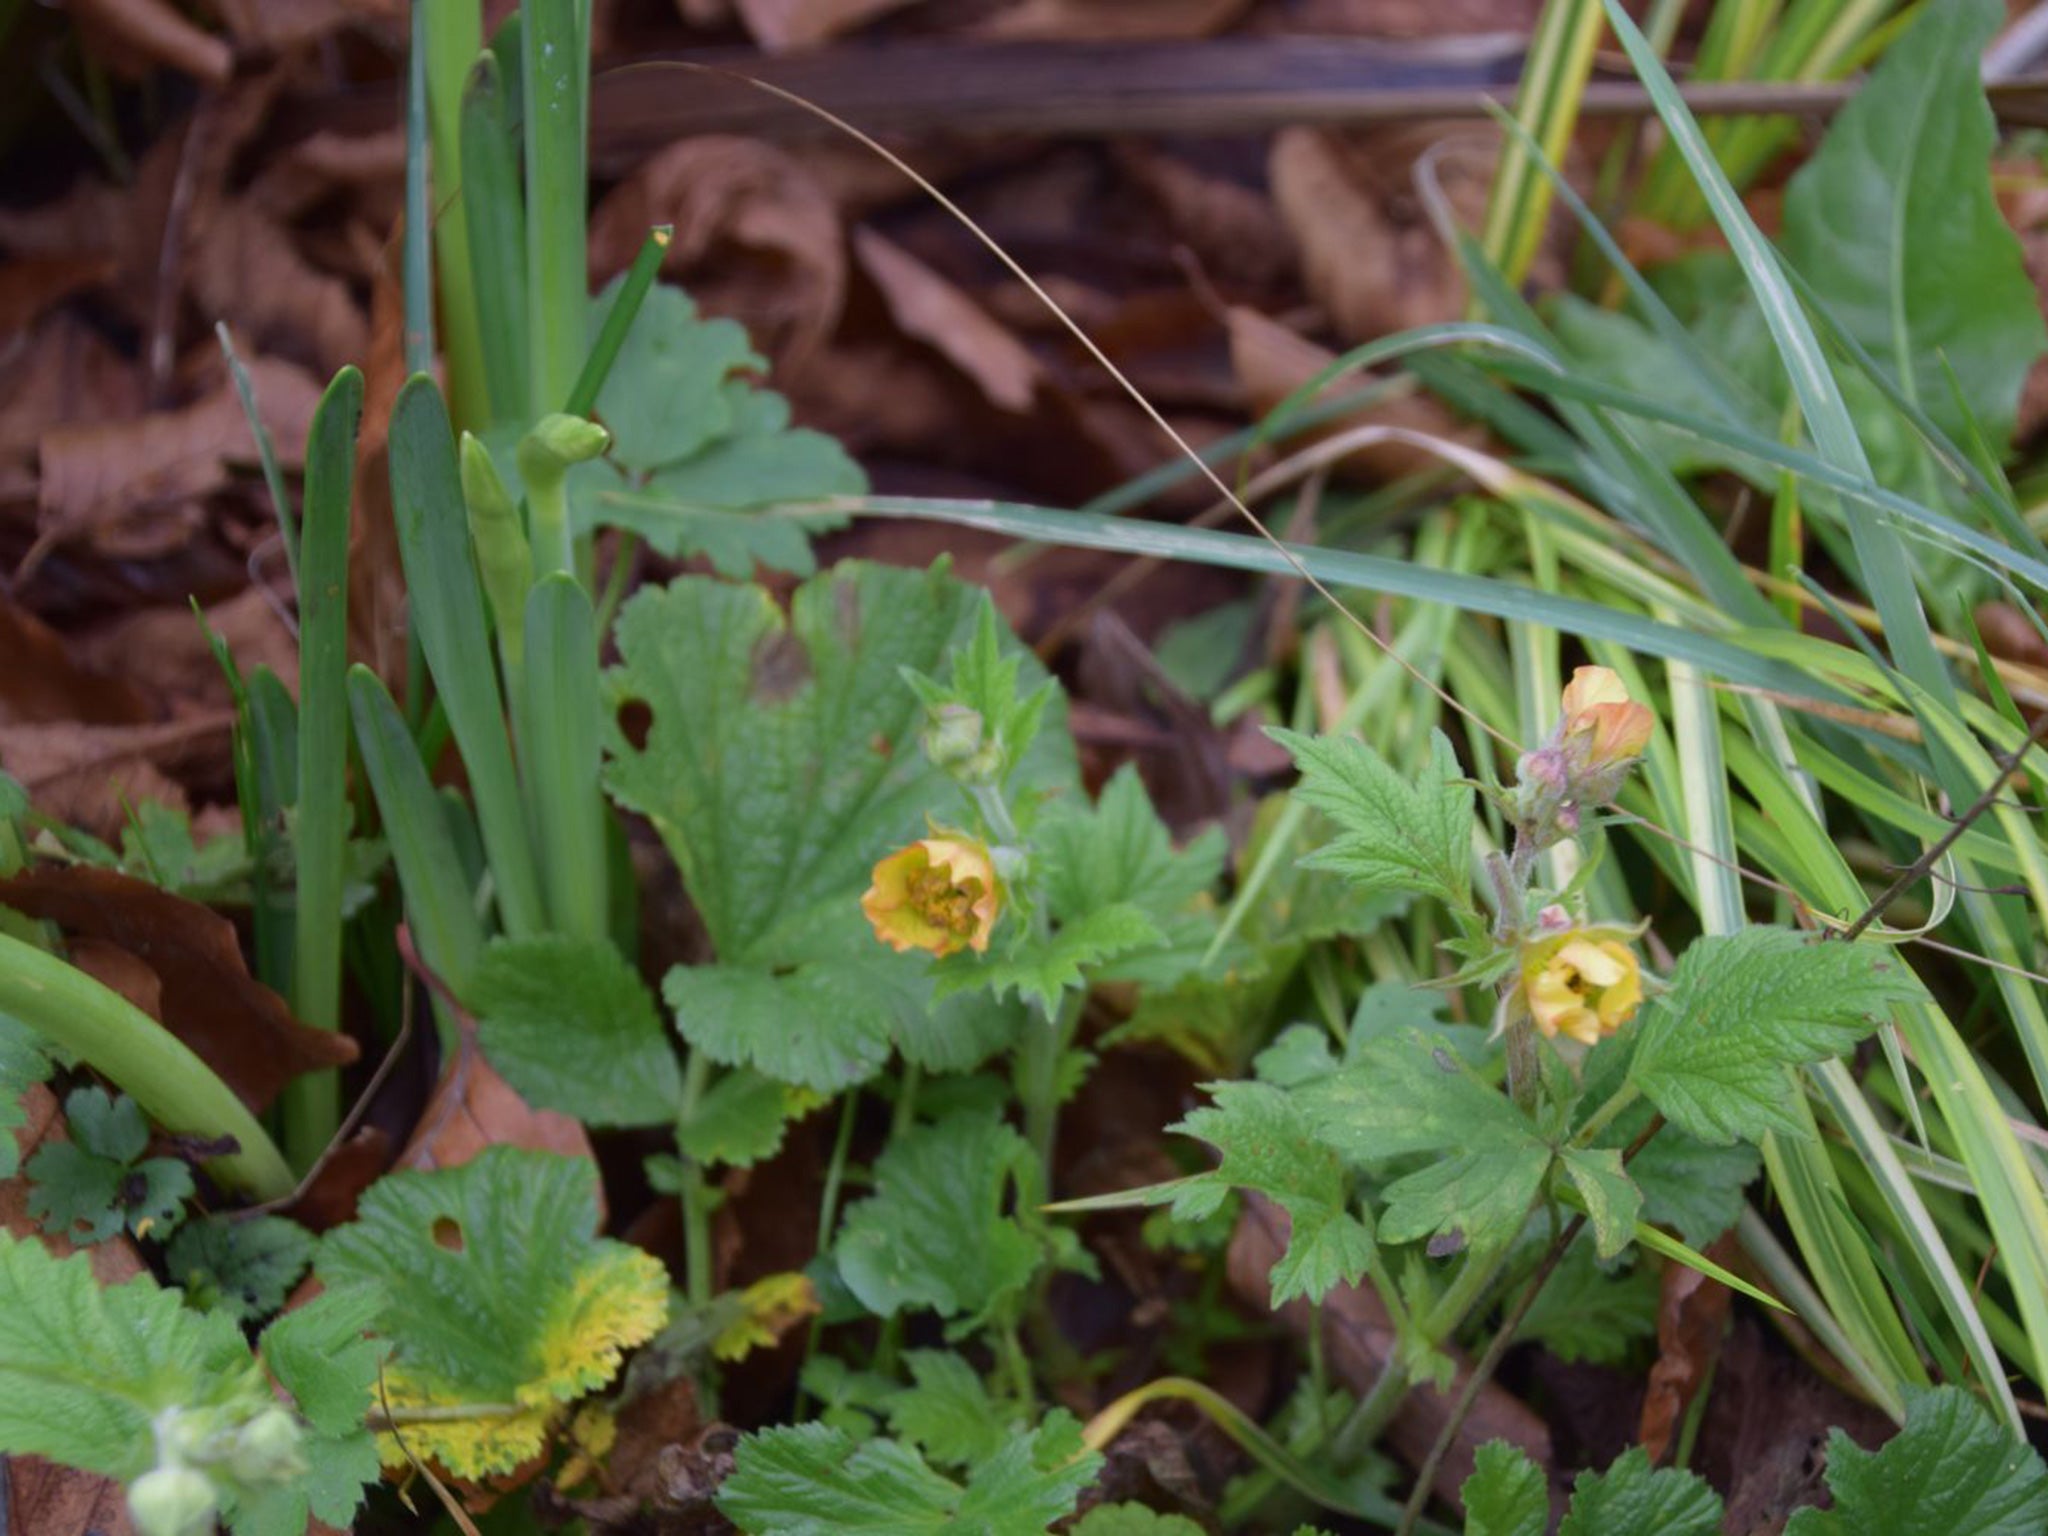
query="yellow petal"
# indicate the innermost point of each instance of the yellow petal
(1595, 961)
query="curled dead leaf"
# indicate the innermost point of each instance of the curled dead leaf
(929, 309)
(1272, 362)
(236, 1025)
(246, 269)
(1369, 255)
(42, 680)
(780, 24)
(1692, 1320)
(756, 236)
(90, 776)
(117, 482)
(136, 35)
(1108, 20)
(165, 653)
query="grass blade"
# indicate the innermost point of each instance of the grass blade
(495, 207)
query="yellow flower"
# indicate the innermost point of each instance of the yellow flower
(1598, 710)
(939, 894)
(1581, 986)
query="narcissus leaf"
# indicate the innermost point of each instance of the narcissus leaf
(499, 1291)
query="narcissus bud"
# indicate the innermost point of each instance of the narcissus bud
(171, 1501)
(940, 894)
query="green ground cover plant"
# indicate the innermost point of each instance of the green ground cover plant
(1630, 909)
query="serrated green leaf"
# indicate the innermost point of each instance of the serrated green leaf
(1267, 1142)
(959, 1033)
(1040, 969)
(1613, 1203)
(948, 1414)
(1712, 1054)
(933, 1235)
(85, 1369)
(571, 1025)
(1133, 1520)
(23, 1064)
(826, 1026)
(1585, 1313)
(1894, 222)
(243, 1268)
(1120, 851)
(1506, 1494)
(91, 1187)
(1631, 1498)
(1408, 1096)
(1392, 834)
(811, 1480)
(320, 1353)
(740, 1119)
(499, 1291)
(734, 539)
(1952, 1469)
(666, 395)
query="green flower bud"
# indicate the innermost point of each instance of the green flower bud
(171, 1501)
(952, 735)
(561, 440)
(267, 1449)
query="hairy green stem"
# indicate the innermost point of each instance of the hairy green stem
(143, 1059)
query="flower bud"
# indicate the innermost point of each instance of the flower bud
(171, 1501)
(1602, 727)
(267, 1449)
(952, 735)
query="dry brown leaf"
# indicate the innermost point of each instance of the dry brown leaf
(1232, 229)
(134, 35)
(1369, 256)
(755, 235)
(281, 24)
(63, 372)
(931, 310)
(369, 169)
(31, 286)
(1361, 1339)
(165, 652)
(473, 1108)
(780, 24)
(1692, 1320)
(42, 680)
(90, 776)
(115, 482)
(235, 1024)
(246, 270)
(1407, 18)
(1111, 20)
(1272, 362)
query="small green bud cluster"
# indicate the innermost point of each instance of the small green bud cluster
(205, 1452)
